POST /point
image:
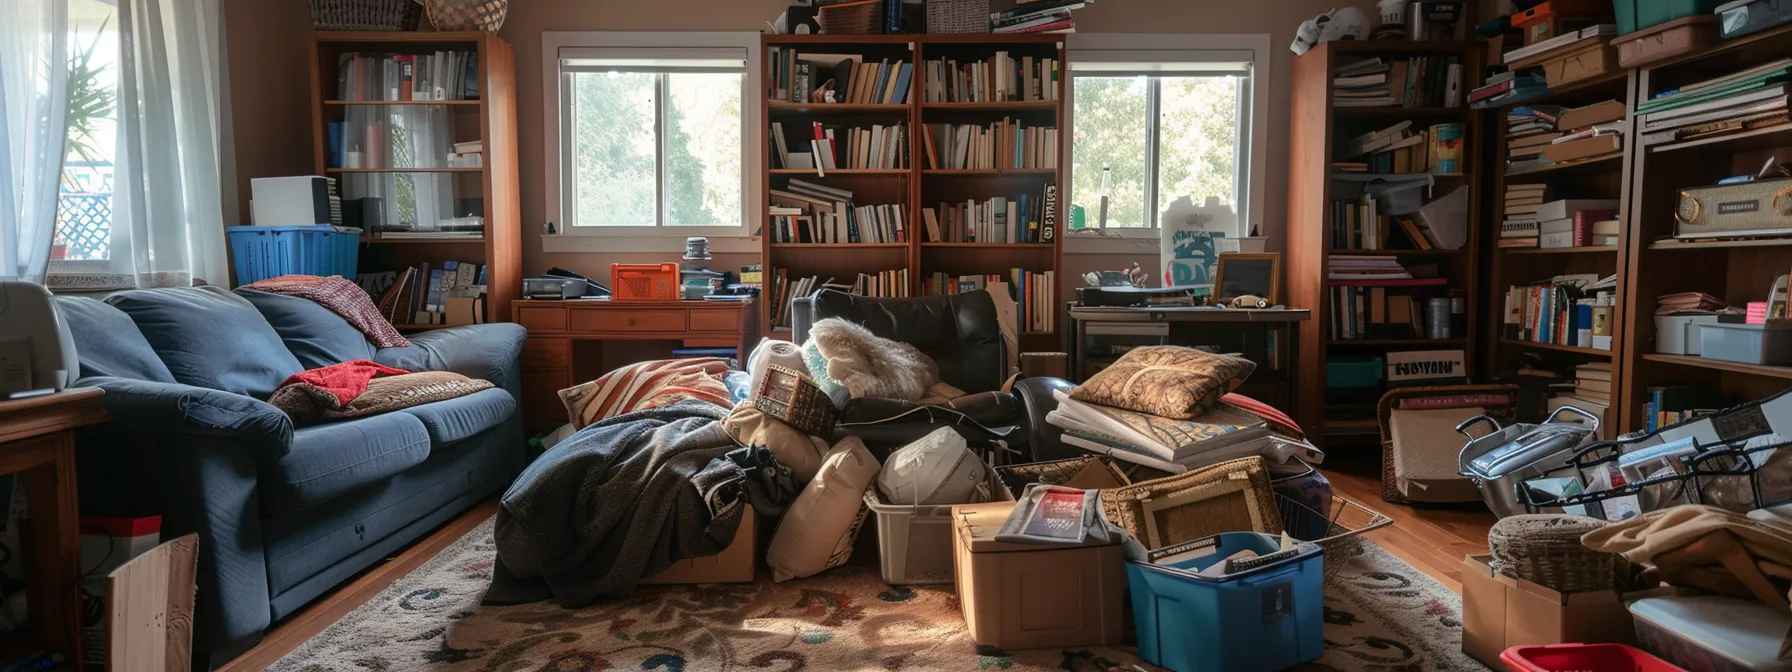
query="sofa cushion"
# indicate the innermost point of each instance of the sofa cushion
(210, 338)
(329, 460)
(454, 419)
(108, 343)
(314, 334)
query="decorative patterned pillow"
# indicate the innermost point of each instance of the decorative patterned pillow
(645, 385)
(308, 404)
(1167, 380)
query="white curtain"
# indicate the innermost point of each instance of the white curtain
(168, 212)
(33, 128)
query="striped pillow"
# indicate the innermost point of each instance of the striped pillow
(645, 385)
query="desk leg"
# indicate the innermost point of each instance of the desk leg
(1292, 356)
(54, 597)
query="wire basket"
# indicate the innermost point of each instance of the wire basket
(1546, 550)
(851, 18)
(957, 16)
(365, 14)
(1339, 531)
(486, 15)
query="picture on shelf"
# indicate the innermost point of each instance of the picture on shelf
(1238, 274)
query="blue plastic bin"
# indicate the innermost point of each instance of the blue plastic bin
(1259, 619)
(263, 252)
(1353, 372)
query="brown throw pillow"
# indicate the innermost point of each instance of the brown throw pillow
(1166, 380)
(309, 405)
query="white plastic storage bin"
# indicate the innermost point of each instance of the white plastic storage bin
(1679, 334)
(1719, 634)
(914, 542)
(1746, 343)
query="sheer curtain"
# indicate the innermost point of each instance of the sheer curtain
(33, 127)
(168, 212)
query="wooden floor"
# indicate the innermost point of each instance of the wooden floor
(1432, 539)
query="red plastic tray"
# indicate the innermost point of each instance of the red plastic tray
(1584, 658)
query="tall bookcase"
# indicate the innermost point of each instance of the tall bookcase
(917, 185)
(1319, 130)
(491, 119)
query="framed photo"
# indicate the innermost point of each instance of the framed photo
(1239, 274)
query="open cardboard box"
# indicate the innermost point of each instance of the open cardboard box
(1499, 612)
(738, 563)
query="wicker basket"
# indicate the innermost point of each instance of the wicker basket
(1231, 496)
(486, 15)
(852, 18)
(1505, 412)
(365, 14)
(1545, 549)
(957, 16)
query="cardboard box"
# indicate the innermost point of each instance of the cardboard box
(1034, 596)
(738, 563)
(1598, 58)
(1584, 148)
(1499, 612)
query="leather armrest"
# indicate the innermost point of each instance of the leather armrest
(887, 424)
(1044, 439)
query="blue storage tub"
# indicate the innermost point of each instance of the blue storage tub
(263, 252)
(1258, 619)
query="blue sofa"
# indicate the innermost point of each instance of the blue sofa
(283, 514)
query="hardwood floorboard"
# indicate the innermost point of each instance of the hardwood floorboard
(1432, 539)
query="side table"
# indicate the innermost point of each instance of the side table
(37, 442)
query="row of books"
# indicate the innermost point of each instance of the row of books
(1001, 78)
(1007, 144)
(1742, 101)
(1400, 148)
(1669, 405)
(831, 147)
(810, 77)
(442, 75)
(426, 294)
(1538, 136)
(1563, 310)
(831, 216)
(1357, 225)
(1580, 222)
(1419, 81)
(1375, 313)
(1025, 218)
(783, 288)
(1038, 16)
(1033, 293)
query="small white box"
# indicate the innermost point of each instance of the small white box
(1679, 334)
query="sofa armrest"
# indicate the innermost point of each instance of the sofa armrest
(1045, 439)
(483, 351)
(148, 407)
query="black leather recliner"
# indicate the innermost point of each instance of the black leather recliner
(962, 334)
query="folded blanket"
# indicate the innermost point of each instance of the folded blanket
(1705, 547)
(361, 388)
(342, 297)
(343, 381)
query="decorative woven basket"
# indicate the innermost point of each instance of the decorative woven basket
(1504, 412)
(957, 16)
(486, 15)
(1231, 496)
(1545, 549)
(365, 14)
(852, 18)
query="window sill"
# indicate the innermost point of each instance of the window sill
(664, 243)
(1114, 241)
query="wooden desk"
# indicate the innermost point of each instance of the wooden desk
(37, 441)
(1280, 328)
(577, 340)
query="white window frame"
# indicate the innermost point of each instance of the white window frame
(1181, 50)
(556, 45)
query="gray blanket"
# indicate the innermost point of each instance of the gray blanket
(621, 499)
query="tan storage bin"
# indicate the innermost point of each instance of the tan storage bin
(1034, 596)
(1668, 40)
(1598, 58)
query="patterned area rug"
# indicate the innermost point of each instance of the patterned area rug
(1381, 615)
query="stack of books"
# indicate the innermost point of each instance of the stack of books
(1592, 390)
(1169, 444)
(815, 213)
(1025, 218)
(1420, 81)
(1539, 136)
(1368, 268)
(1682, 303)
(1561, 223)
(998, 79)
(1740, 102)
(798, 77)
(1520, 227)
(1034, 294)
(1528, 81)
(1038, 16)
(1507, 86)
(1529, 129)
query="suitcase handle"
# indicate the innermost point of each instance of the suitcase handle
(1462, 428)
(1576, 411)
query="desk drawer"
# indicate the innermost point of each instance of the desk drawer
(536, 318)
(547, 353)
(627, 320)
(715, 320)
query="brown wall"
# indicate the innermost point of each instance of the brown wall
(268, 80)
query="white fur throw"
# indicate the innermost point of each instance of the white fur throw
(869, 366)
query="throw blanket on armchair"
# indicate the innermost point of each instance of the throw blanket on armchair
(622, 499)
(343, 297)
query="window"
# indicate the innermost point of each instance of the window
(1151, 126)
(84, 221)
(653, 136)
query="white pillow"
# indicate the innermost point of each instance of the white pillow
(818, 530)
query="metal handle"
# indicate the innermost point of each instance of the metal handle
(1576, 411)
(1462, 428)
(631, 321)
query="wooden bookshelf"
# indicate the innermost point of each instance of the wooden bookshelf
(1604, 176)
(1737, 270)
(490, 119)
(1318, 129)
(917, 186)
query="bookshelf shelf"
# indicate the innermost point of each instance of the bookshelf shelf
(1560, 91)
(1584, 249)
(840, 171)
(1397, 253)
(993, 246)
(376, 240)
(999, 106)
(1720, 365)
(1591, 352)
(1452, 176)
(1719, 141)
(404, 170)
(839, 246)
(1398, 110)
(1570, 165)
(383, 103)
(993, 172)
(1398, 342)
(838, 108)
(1675, 246)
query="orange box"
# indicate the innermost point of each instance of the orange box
(644, 282)
(737, 563)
